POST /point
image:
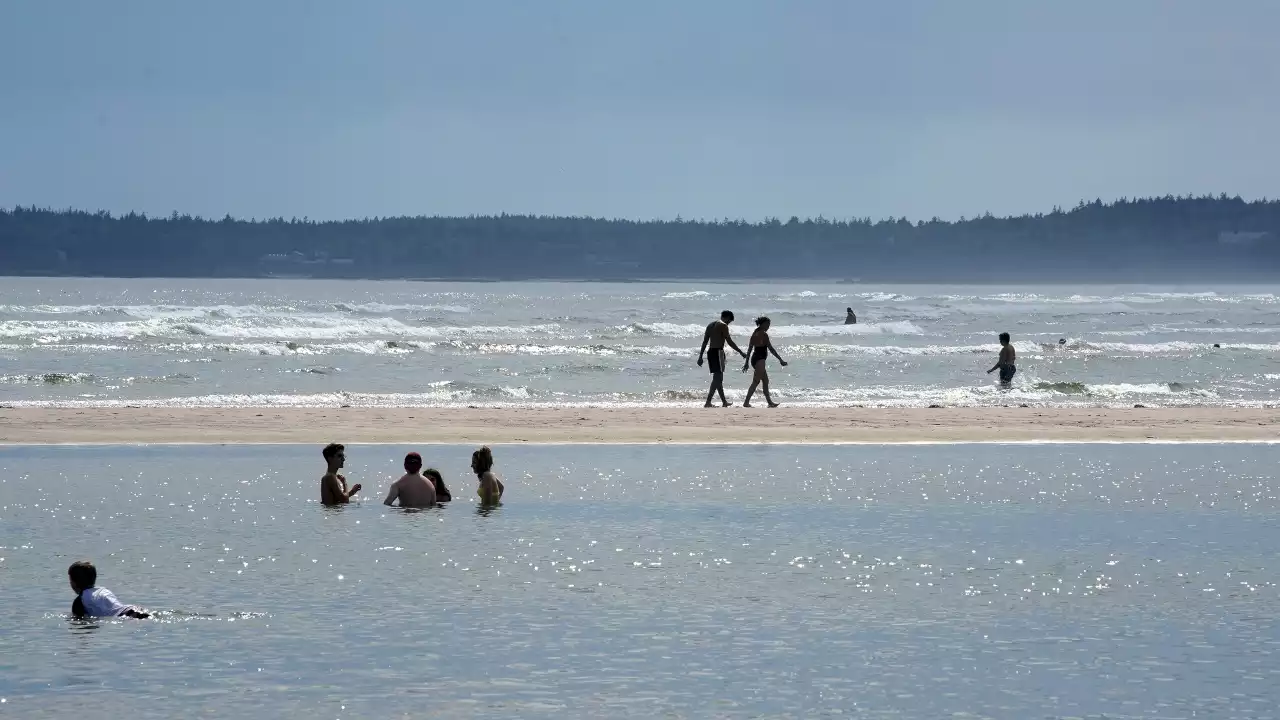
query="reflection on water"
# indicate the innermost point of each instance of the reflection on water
(1029, 581)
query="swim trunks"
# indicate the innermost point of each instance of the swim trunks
(715, 360)
(1007, 371)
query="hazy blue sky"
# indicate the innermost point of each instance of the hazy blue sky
(705, 108)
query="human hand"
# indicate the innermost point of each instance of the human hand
(354, 489)
(699, 361)
(783, 362)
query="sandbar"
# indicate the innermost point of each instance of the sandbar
(473, 426)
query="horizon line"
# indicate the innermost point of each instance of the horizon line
(679, 217)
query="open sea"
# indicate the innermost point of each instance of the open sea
(103, 342)
(974, 581)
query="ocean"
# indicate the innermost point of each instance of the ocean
(212, 343)
(977, 581)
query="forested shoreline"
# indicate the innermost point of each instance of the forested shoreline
(1146, 239)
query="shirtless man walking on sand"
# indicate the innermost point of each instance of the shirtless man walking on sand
(717, 336)
(415, 490)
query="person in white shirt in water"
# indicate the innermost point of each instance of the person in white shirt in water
(93, 601)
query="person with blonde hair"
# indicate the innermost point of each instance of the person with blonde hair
(491, 488)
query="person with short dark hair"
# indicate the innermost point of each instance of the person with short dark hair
(414, 490)
(717, 336)
(1005, 363)
(93, 601)
(333, 486)
(760, 346)
(849, 317)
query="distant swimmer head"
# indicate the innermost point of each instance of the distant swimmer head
(434, 475)
(83, 575)
(1217, 345)
(482, 460)
(1004, 338)
(1062, 341)
(412, 462)
(335, 454)
(849, 310)
(763, 322)
(726, 316)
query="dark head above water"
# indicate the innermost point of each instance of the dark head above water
(83, 575)
(412, 462)
(726, 316)
(335, 454)
(1004, 338)
(763, 322)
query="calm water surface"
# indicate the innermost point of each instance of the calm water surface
(673, 581)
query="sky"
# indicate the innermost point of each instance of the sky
(696, 108)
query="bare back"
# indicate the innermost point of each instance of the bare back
(717, 334)
(414, 490)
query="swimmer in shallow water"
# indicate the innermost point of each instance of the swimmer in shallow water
(442, 491)
(333, 486)
(92, 601)
(1006, 362)
(491, 488)
(413, 489)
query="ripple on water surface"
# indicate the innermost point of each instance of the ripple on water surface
(1000, 581)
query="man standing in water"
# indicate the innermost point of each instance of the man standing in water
(414, 490)
(849, 317)
(717, 336)
(333, 487)
(1005, 363)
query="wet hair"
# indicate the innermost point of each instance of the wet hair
(412, 458)
(848, 309)
(1004, 337)
(482, 460)
(762, 320)
(83, 574)
(726, 316)
(332, 449)
(434, 474)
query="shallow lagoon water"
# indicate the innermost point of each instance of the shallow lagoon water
(677, 581)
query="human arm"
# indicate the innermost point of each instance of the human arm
(728, 340)
(392, 494)
(336, 492)
(775, 354)
(706, 338)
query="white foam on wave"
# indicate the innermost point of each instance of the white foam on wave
(693, 330)
(298, 326)
(686, 295)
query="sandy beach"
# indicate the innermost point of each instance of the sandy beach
(630, 425)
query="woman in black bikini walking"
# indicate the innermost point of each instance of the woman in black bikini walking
(758, 350)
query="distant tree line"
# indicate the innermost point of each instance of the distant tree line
(1143, 239)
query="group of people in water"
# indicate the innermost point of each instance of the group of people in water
(417, 488)
(717, 337)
